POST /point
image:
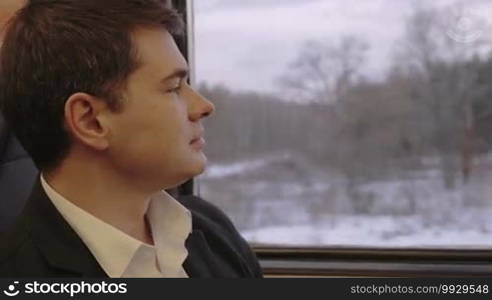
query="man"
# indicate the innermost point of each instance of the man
(96, 93)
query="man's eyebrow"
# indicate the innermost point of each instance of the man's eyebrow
(178, 73)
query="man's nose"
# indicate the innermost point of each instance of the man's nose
(200, 107)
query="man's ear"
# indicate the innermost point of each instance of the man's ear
(85, 118)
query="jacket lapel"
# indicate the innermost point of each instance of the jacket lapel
(198, 260)
(202, 262)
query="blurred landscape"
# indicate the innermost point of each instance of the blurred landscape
(336, 157)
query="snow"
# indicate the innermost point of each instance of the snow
(365, 231)
(281, 199)
(224, 170)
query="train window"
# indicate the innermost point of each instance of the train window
(349, 124)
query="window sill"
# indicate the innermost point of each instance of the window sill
(375, 262)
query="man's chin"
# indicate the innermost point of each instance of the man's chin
(201, 165)
(196, 166)
(189, 170)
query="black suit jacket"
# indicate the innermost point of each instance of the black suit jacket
(42, 244)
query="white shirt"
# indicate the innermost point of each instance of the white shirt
(121, 255)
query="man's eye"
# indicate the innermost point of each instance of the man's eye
(175, 90)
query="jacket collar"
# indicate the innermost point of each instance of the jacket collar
(57, 241)
(64, 250)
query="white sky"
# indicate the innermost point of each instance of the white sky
(246, 44)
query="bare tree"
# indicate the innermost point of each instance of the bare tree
(324, 71)
(444, 74)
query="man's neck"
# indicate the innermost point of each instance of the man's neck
(109, 198)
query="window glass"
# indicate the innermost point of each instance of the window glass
(349, 122)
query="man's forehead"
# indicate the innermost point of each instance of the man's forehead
(8, 9)
(157, 49)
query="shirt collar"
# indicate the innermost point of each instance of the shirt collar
(170, 223)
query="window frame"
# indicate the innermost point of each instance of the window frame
(373, 262)
(289, 261)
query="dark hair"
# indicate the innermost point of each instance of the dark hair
(55, 48)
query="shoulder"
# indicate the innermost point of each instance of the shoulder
(12, 241)
(216, 225)
(211, 219)
(207, 212)
(19, 255)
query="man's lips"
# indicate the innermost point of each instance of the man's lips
(196, 139)
(198, 143)
(198, 135)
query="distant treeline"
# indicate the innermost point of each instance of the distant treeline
(432, 106)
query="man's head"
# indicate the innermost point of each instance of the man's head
(86, 80)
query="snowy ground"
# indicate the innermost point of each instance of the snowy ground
(285, 200)
(373, 231)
